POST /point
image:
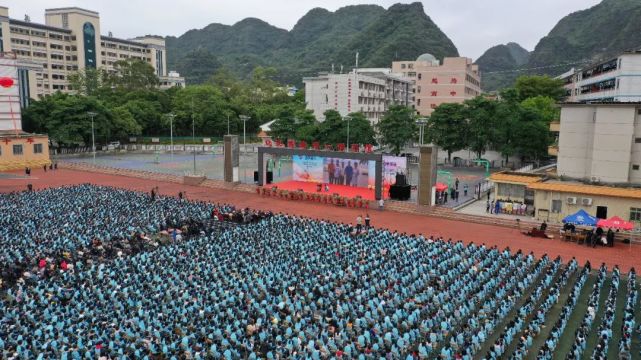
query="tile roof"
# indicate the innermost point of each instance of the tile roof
(630, 193)
(512, 178)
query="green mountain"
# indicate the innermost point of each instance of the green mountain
(578, 39)
(319, 40)
(497, 60)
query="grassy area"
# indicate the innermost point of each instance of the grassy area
(567, 338)
(613, 347)
(592, 339)
(498, 330)
(636, 337)
(552, 316)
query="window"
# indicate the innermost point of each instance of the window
(419, 76)
(635, 214)
(434, 81)
(434, 93)
(403, 66)
(17, 149)
(37, 148)
(556, 206)
(635, 167)
(637, 140)
(418, 89)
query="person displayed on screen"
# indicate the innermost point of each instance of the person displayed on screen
(337, 171)
(330, 171)
(338, 174)
(356, 173)
(349, 171)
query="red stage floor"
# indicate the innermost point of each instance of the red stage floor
(342, 190)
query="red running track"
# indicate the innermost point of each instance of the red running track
(625, 256)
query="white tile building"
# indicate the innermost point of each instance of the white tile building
(370, 91)
(615, 80)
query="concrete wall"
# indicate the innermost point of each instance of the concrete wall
(598, 141)
(616, 206)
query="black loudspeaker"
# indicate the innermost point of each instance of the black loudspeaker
(270, 177)
(400, 192)
(401, 179)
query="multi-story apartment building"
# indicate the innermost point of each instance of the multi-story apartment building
(69, 41)
(370, 91)
(453, 81)
(614, 80)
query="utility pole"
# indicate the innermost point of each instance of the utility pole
(171, 134)
(193, 133)
(348, 118)
(92, 114)
(244, 118)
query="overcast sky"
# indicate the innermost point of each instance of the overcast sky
(473, 25)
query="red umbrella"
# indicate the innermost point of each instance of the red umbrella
(616, 223)
(440, 186)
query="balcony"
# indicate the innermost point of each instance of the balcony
(555, 126)
(553, 150)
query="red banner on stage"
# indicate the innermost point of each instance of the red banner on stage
(368, 148)
(341, 147)
(316, 145)
(291, 143)
(268, 142)
(356, 148)
(303, 145)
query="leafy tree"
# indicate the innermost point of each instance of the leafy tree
(283, 128)
(133, 74)
(330, 130)
(447, 128)
(88, 81)
(360, 129)
(397, 127)
(147, 114)
(64, 117)
(532, 86)
(205, 105)
(124, 124)
(545, 106)
(480, 115)
(533, 134)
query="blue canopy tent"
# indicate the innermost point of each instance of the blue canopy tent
(581, 217)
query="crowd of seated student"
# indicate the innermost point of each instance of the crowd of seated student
(47, 229)
(277, 287)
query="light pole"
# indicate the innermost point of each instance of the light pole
(171, 134)
(193, 133)
(228, 124)
(348, 118)
(92, 114)
(244, 118)
(421, 122)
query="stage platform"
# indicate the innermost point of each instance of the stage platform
(342, 190)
